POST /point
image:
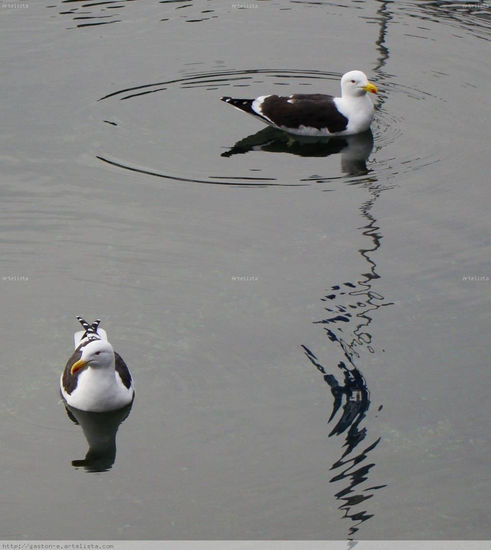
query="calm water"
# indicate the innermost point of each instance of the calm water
(307, 324)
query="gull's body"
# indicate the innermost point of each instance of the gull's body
(95, 377)
(316, 114)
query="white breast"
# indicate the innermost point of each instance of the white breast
(99, 390)
(358, 110)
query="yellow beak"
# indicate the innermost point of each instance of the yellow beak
(77, 366)
(370, 88)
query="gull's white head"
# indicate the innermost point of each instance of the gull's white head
(355, 84)
(96, 354)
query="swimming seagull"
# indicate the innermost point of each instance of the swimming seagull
(316, 114)
(95, 378)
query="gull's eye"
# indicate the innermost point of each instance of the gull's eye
(97, 353)
(353, 81)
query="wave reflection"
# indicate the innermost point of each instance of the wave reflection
(100, 429)
(354, 150)
(350, 308)
(471, 16)
(89, 14)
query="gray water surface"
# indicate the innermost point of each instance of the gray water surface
(307, 325)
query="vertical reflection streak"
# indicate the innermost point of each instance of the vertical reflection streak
(352, 395)
(350, 307)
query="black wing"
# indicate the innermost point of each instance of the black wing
(312, 110)
(122, 370)
(69, 380)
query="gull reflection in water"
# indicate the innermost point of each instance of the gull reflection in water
(100, 430)
(354, 150)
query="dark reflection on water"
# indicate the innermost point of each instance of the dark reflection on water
(354, 150)
(188, 11)
(88, 13)
(471, 15)
(100, 432)
(91, 13)
(350, 308)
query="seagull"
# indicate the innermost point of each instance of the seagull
(95, 378)
(316, 114)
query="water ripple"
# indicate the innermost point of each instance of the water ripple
(197, 93)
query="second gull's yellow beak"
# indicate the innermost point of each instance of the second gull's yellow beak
(77, 366)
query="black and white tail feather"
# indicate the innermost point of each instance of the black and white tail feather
(90, 332)
(246, 106)
(242, 104)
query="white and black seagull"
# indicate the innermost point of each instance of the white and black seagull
(95, 378)
(316, 114)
